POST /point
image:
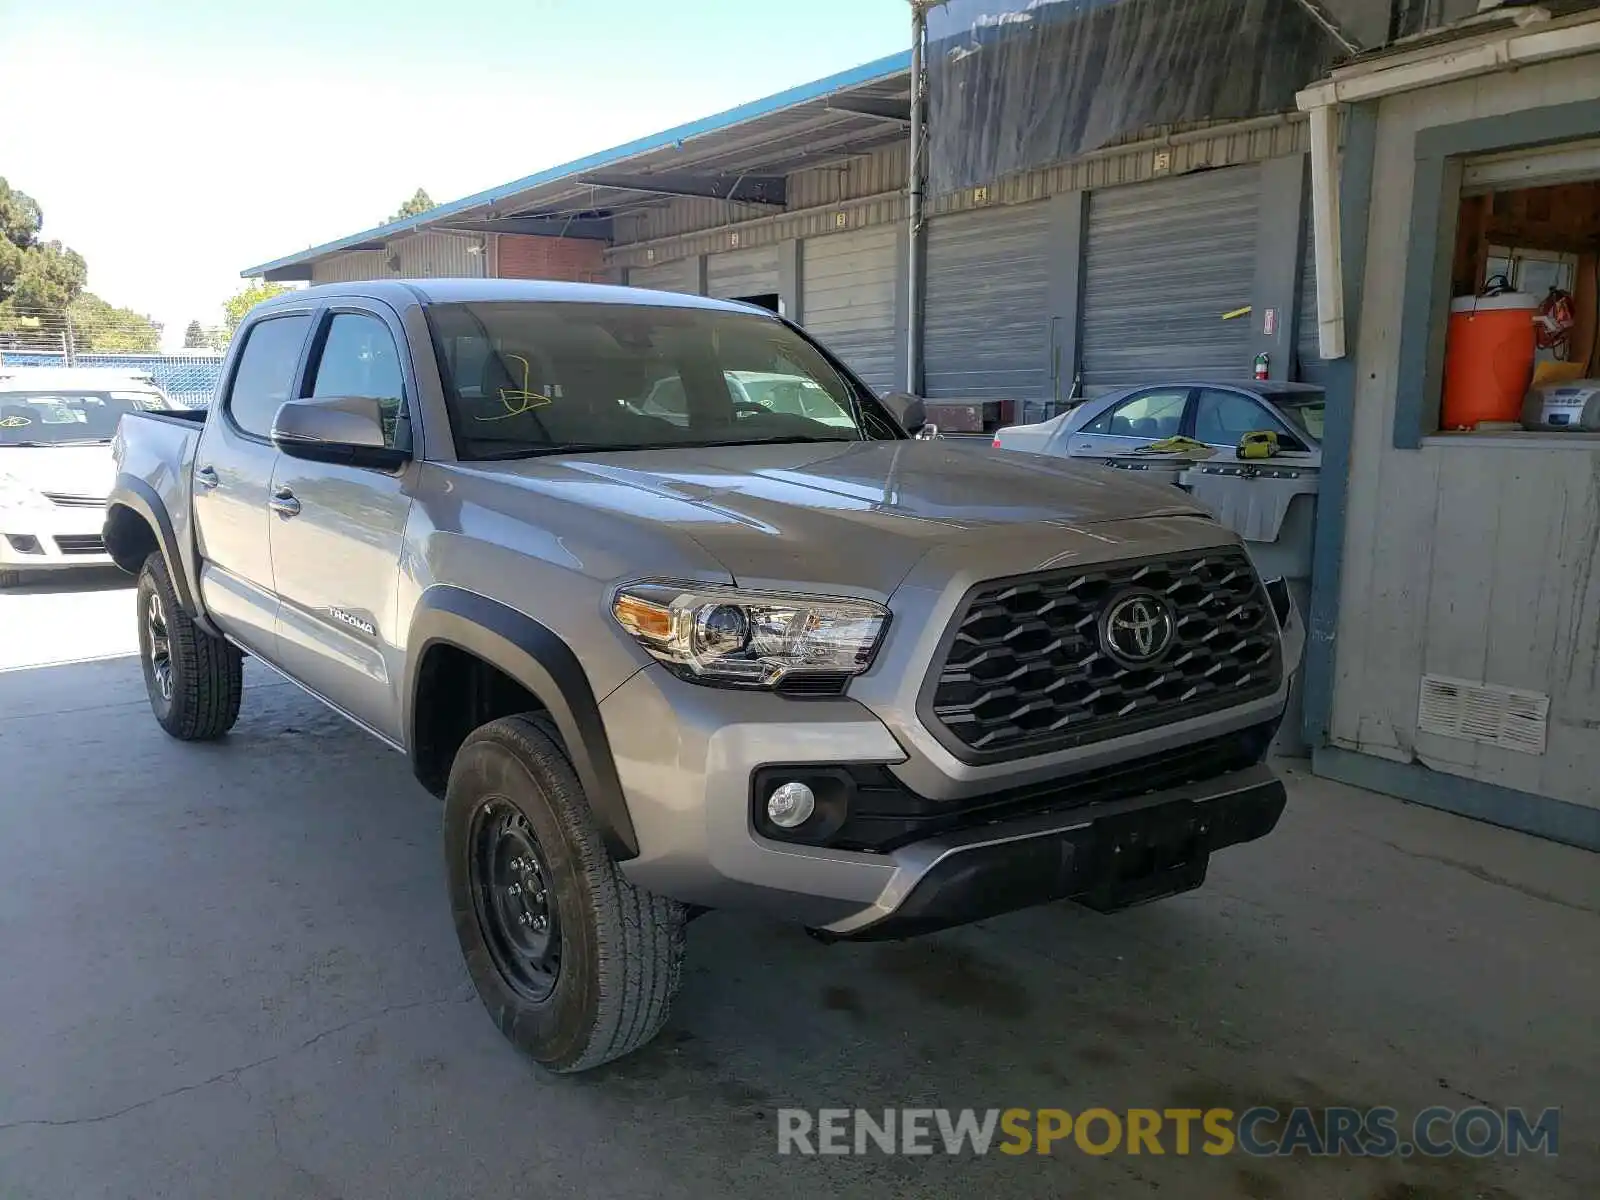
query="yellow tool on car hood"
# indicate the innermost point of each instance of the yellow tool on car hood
(1185, 446)
(1261, 444)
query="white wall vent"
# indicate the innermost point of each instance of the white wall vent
(1483, 712)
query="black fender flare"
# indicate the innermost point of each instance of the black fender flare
(139, 498)
(542, 663)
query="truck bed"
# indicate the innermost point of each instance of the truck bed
(157, 449)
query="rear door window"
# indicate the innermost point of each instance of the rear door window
(1221, 418)
(265, 373)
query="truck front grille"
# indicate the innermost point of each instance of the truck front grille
(80, 543)
(70, 500)
(1028, 668)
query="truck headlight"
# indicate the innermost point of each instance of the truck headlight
(736, 638)
(16, 494)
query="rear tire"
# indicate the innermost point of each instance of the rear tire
(576, 966)
(195, 681)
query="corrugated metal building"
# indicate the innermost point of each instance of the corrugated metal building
(1081, 276)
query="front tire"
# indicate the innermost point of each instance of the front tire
(195, 681)
(576, 966)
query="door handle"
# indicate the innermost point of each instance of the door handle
(206, 477)
(284, 504)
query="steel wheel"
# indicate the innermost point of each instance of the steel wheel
(516, 907)
(159, 651)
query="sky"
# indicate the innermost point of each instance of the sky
(173, 143)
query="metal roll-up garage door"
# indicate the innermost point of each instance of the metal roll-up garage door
(986, 313)
(741, 273)
(1310, 366)
(681, 275)
(1165, 261)
(849, 285)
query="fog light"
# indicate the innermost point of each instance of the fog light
(791, 805)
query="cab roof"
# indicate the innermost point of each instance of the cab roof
(491, 291)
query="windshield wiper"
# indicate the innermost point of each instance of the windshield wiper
(784, 439)
(569, 448)
(30, 444)
(81, 442)
(624, 447)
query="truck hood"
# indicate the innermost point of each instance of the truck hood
(856, 515)
(72, 470)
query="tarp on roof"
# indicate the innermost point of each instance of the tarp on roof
(1015, 85)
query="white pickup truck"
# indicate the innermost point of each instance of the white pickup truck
(725, 653)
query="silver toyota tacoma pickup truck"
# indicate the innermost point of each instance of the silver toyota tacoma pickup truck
(674, 615)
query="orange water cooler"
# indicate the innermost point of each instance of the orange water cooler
(1488, 359)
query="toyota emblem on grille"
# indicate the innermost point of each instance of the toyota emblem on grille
(1137, 629)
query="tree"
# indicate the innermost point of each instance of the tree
(237, 306)
(98, 327)
(37, 279)
(414, 207)
(49, 279)
(194, 337)
(19, 216)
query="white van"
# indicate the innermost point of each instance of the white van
(56, 426)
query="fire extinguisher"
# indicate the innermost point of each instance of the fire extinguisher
(1261, 365)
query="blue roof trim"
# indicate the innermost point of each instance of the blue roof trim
(870, 72)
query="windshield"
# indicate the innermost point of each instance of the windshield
(530, 378)
(1304, 412)
(47, 418)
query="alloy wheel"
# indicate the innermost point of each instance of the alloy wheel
(159, 651)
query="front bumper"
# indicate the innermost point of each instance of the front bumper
(1108, 856)
(1121, 821)
(686, 756)
(45, 539)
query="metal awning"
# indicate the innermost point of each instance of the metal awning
(742, 155)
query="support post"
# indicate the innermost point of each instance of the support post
(1275, 291)
(915, 188)
(790, 286)
(1325, 230)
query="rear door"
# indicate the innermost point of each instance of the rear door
(233, 481)
(338, 532)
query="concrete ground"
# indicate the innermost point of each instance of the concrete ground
(229, 972)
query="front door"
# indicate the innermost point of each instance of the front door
(1152, 415)
(338, 532)
(233, 469)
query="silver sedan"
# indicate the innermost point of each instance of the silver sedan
(1217, 414)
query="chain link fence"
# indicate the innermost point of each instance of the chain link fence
(188, 379)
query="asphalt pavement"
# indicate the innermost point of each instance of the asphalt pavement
(229, 971)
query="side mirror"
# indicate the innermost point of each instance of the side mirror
(911, 411)
(338, 429)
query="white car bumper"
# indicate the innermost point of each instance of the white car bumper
(62, 535)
